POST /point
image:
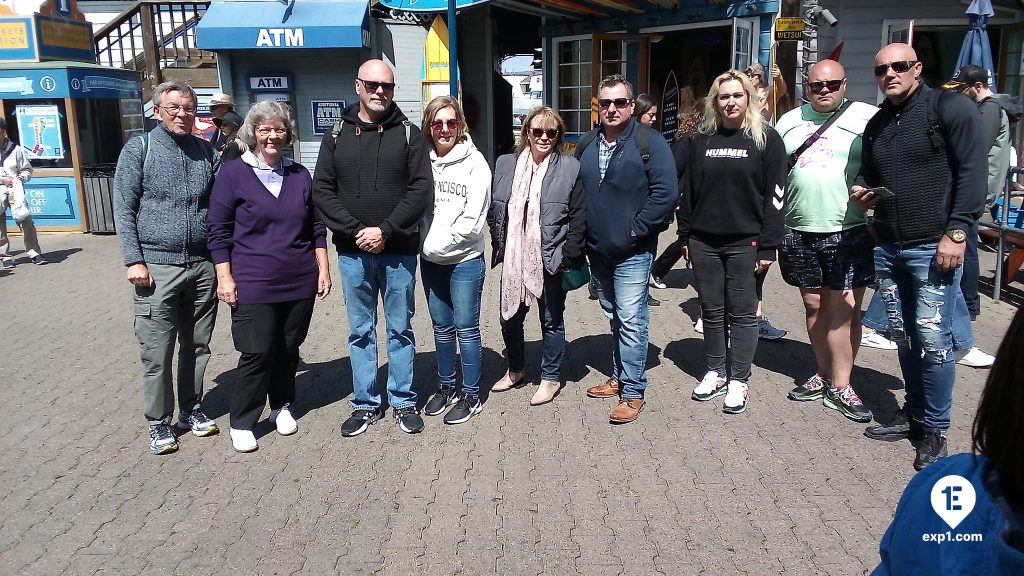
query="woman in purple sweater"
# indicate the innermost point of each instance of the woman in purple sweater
(270, 251)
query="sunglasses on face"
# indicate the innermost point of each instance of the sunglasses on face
(899, 67)
(551, 133)
(372, 86)
(619, 102)
(438, 125)
(832, 85)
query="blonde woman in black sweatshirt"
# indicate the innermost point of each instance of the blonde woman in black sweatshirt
(731, 221)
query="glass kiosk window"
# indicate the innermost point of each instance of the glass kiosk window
(99, 130)
(41, 127)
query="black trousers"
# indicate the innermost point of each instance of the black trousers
(267, 337)
(664, 263)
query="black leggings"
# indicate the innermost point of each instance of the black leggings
(727, 289)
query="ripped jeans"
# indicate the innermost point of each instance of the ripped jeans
(919, 302)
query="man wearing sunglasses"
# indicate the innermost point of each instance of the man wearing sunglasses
(923, 147)
(827, 250)
(628, 200)
(372, 185)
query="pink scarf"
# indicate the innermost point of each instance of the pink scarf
(522, 277)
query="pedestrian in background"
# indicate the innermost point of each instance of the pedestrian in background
(452, 256)
(15, 171)
(270, 251)
(732, 221)
(537, 222)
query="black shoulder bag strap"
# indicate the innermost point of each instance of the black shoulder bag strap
(814, 137)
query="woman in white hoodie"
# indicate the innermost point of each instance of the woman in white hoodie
(452, 262)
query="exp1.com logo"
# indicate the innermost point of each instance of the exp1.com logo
(953, 499)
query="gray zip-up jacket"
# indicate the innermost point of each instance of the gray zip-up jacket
(160, 209)
(563, 215)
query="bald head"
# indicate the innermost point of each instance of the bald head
(375, 85)
(897, 71)
(829, 68)
(826, 85)
(376, 70)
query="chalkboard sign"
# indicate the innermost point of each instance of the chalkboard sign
(670, 106)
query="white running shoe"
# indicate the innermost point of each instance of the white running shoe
(243, 440)
(711, 386)
(286, 424)
(876, 340)
(655, 282)
(736, 399)
(698, 326)
(975, 358)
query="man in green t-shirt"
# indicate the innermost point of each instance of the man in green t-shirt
(827, 251)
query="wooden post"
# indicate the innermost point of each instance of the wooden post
(149, 47)
(76, 159)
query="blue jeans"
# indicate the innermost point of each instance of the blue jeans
(623, 296)
(364, 277)
(963, 330)
(920, 302)
(453, 299)
(551, 309)
(972, 272)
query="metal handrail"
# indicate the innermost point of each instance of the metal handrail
(1004, 229)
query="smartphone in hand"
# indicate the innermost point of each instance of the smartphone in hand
(881, 192)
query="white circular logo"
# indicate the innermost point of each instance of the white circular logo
(76, 84)
(47, 83)
(953, 498)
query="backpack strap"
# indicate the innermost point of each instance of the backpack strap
(936, 132)
(643, 143)
(408, 130)
(145, 150)
(585, 141)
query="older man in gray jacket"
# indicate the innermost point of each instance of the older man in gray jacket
(161, 195)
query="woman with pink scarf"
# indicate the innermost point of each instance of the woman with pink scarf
(537, 223)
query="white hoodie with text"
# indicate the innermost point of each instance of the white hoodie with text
(454, 229)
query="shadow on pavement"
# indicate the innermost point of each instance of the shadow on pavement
(58, 256)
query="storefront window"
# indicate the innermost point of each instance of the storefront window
(41, 126)
(575, 84)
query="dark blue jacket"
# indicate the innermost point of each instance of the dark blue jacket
(904, 551)
(627, 210)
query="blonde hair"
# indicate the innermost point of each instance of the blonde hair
(435, 106)
(524, 132)
(753, 125)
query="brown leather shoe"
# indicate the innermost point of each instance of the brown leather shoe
(626, 410)
(607, 389)
(545, 392)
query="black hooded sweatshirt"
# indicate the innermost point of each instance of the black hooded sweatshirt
(370, 176)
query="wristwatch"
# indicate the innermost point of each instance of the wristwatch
(957, 236)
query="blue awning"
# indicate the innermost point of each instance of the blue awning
(257, 24)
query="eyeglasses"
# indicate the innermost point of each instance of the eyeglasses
(832, 85)
(551, 133)
(899, 67)
(267, 131)
(372, 86)
(438, 125)
(619, 102)
(174, 109)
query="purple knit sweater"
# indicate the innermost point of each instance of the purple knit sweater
(269, 241)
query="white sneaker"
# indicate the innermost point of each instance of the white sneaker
(656, 282)
(698, 326)
(975, 358)
(876, 340)
(736, 399)
(286, 424)
(243, 440)
(711, 386)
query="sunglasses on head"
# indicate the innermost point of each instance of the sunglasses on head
(437, 125)
(832, 85)
(619, 102)
(551, 133)
(372, 86)
(899, 67)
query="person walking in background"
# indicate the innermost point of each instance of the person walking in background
(230, 146)
(732, 222)
(628, 200)
(645, 111)
(451, 256)
(372, 185)
(15, 171)
(827, 250)
(922, 147)
(161, 196)
(220, 105)
(270, 251)
(537, 223)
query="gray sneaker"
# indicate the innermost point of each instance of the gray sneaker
(198, 423)
(765, 330)
(162, 439)
(813, 389)
(846, 401)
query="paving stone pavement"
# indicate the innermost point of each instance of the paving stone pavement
(786, 488)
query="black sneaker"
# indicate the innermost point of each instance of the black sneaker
(847, 403)
(409, 420)
(467, 407)
(900, 427)
(359, 421)
(652, 301)
(441, 399)
(931, 448)
(813, 389)
(162, 439)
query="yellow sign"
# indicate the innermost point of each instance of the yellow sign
(789, 24)
(65, 34)
(13, 35)
(435, 53)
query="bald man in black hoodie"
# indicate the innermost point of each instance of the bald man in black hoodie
(372, 185)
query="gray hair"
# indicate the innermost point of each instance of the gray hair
(612, 81)
(165, 87)
(264, 112)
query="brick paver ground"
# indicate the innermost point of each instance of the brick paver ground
(786, 488)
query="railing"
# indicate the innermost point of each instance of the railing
(1004, 229)
(153, 35)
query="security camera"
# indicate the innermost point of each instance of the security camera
(828, 17)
